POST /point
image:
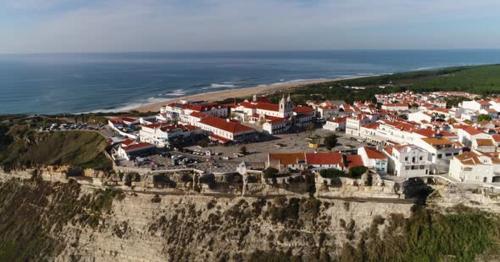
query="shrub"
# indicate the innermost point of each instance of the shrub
(270, 172)
(356, 172)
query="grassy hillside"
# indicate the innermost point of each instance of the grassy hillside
(20, 146)
(483, 80)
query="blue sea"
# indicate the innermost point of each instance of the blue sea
(74, 83)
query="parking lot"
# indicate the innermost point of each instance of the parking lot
(257, 152)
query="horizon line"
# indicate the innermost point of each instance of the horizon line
(248, 51)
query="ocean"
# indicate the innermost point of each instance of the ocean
(75, 83)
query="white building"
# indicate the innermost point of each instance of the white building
(467, 134)
(475, 105)
(441, 151)
(161, 134)
(408, 160)
(420, 117)
(255, 110)
(225, 130)
(325, 160)
(397, 107)
(335, 124)
(372, 158)
(471, 167)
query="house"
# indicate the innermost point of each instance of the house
(325, 160)
(275, 125)
(472, 167)
(178, 110)
(441, 151)
(327, 110)
(160, 134)
(353, 124)
(130, 149)
(352, 161)
(303, 115)
(475, 105)
(484, 145)
(369, 132)
(395, 107)
(226, 130)
(335, 124)
(466, 134)
(407, 160)
(420, 117)
(372, 158)
(284, 161)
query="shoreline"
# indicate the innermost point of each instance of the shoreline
(214, 96)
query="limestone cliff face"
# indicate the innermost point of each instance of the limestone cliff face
(67, 221)
(198, 228)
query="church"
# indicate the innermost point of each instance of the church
(274, 118)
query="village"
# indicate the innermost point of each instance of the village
(342, 149)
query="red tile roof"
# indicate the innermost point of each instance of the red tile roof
(303, 110)
(371, 125)
(471, 130)
(287, 158)
(137, 147)
(354, 161)
(223, 124)
(261, 105)
(324, 158)
(374, 153)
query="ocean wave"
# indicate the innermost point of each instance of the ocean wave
(223, 85)
(220, 85)
(176, 92)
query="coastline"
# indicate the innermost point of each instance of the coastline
(238, 92)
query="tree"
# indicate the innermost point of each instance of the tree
(270, 172)
(482, 118)
(243, 150)
(331, 173)
(330, 141)
(356, 172)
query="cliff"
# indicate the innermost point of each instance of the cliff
(42, 220)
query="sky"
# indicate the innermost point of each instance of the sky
(53, 26)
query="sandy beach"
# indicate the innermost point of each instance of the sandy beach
(234, 93)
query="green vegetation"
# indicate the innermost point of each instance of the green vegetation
(482, 80)
(354, 172)
(427, 235)
(357, 171)
(34, 213)
(330, 141)
(482, 118)
(331, 173)
(21, 146)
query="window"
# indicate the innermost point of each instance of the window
(406, 158)
(407, 168)
(413, 159)
(421, 158)
(422, 167)
(440, 156)
(448, 154)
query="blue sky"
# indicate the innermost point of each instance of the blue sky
(37, 26)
